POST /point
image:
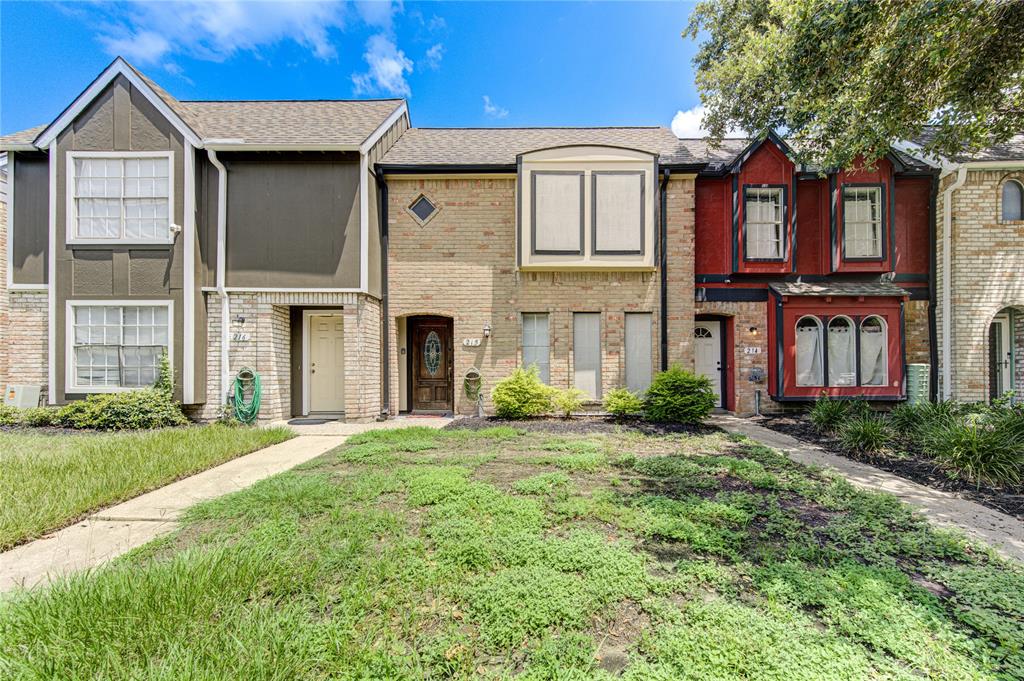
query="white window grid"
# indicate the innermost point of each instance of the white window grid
(862, 222)
(118, 346)
(764, 223)
(537, 343)
(121, 198)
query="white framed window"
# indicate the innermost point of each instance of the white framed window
(764, 223)
(1013, 200)
(116, 345)
(842, 352)
(586, 350)
(124, 197)
(809, 352)
(874, 353)
(639, 360)
(862, 222)
(537, 343)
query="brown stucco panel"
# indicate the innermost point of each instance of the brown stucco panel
(31, 218)
(93, 273)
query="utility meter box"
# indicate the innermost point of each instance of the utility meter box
(22, 396)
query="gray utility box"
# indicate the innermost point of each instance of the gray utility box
(22, 395)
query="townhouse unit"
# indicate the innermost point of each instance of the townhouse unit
(366, 268)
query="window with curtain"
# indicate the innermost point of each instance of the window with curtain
(763, 223)
(118, 346)
(618, 211)
(122, 198)
(557, 211)
(809, 359)
(862, 222)
(874, 364)
(537, 344)
(639, 360)
(586, 351)
(1013, 200)
(842, 350)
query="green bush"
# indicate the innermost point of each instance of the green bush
(521, 395)
(864, 434)
(905, 419)
(622, 402)
(982, 448)
(860, 408)
(9, 416)
(827, 414)
(39, 416)
(130, 410)
(567, 401)
(678, 396)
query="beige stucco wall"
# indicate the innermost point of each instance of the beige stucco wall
(987, 262)
(462, 265)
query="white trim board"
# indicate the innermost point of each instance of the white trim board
(51, 279)
(188, 247)
(306, 316)
(71, 214)
(69, 339)
(119, 67)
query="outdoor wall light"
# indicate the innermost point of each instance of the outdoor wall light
(240, 319)
(487, 329)
(753, 330)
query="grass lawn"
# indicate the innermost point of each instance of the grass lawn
(427, 554)
(49, 481)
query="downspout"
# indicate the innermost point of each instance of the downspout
(947, 303)
(933, 348)
(222, 234)
(382, 212)
(663, 265)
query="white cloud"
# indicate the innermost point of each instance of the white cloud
(150, 31)
(493, 110)
(434, 56)
(388, 66)
(690, 123)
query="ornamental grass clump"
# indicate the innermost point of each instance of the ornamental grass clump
(864, 434)
(827, 414)
(980, 447)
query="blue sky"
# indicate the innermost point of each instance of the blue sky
(460, 64)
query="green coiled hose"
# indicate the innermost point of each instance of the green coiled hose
(246, 412)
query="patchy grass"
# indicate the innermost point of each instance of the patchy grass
(496, 553)
(49, 481)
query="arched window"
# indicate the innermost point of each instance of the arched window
(842, 352)
(874, 356)
(809, 355)
(1013, 200)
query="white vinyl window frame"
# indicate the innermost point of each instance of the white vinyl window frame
(865, 348)
(764, 227)
(816, 363)
(70, 375)
(536, 327)
(863, 222)
(71, 211)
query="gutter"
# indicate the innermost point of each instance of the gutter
(382, 213)
(933, 348)
(947, 303)
(663, 265)
(222, 233)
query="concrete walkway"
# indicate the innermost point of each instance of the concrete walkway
(118, 529)
(1003, 532)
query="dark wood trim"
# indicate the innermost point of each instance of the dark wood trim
(786, 216)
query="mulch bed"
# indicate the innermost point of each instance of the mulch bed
(580, 425)
(910, 465)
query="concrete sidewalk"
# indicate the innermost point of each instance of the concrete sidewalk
(118, 529)
(1003, 532)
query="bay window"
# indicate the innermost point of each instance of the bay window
(862, 221)
(809, 344)
(123, 197)
(763, 223)
(113, 347)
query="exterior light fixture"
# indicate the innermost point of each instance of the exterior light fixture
(487, 329)
(753, 330)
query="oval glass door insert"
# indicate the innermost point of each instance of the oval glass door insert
(432, 353)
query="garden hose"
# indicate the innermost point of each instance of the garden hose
(247, 379)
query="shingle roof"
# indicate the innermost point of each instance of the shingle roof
(838, 288)
(500, 146)
(1011, 150)
(21, 137)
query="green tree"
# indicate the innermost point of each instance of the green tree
(844, 80)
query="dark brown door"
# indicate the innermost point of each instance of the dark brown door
(431, 364)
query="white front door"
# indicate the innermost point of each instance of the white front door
(707, 353)
(1001, 354)
(326, 363)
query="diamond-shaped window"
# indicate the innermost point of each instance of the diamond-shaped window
(422, 208)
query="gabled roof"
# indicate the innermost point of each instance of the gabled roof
(22, 138)
(501, 146)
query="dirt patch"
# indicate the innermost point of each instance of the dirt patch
(910, 465)
(504, 473)
(617, 633)
(580, 425)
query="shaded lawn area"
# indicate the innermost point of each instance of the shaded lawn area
(50, 481)
(493, 554)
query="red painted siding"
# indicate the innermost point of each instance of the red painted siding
(913, 247)
(714, 226)
(768, 165)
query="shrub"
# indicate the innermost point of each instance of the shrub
(678, 396)
(864, 434)
(130, 410)
(980, 449)
(521, 395)
(828, 414)
(860, 408)
(565, 402)
(9, 416)
(621, 402)
(39, 416)
(905, 419)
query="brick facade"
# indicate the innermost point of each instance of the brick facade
(750, 330)
(4, 298)
(987, 259)
(462, 265)
(26, 338)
